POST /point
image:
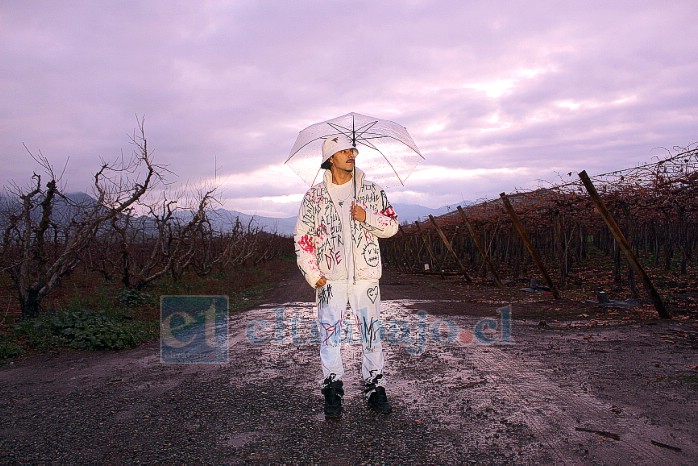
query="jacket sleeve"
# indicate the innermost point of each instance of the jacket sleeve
(304, 239)
(382, 223)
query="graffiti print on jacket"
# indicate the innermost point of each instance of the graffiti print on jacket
(320, 246)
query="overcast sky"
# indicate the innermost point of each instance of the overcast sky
(497, 95)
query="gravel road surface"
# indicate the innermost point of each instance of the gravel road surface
(490, 385)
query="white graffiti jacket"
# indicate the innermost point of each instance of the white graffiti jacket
(320, 247)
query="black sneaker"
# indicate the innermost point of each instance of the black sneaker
(377, 399)
(333, 391)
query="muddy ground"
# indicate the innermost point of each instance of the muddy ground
(561, 381)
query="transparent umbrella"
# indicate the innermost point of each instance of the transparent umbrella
(387, 153)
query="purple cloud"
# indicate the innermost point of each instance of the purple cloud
(502, 94)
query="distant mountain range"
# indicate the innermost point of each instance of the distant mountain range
(284, 226)
(223, 219)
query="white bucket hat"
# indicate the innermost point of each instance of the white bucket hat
(334, 144)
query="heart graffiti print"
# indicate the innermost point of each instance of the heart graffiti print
(372, 293)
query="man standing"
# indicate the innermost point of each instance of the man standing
(336, 238)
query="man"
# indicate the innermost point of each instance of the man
(336, 238)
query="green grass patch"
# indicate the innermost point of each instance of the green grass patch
(84, 330)
(9, 348)
(127, 317)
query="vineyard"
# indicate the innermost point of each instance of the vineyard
(129, 240)
(631, 231)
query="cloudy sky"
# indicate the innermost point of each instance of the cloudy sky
(497, 95)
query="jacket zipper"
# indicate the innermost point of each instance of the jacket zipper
(351, 235)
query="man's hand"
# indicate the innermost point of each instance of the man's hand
(320, 283)
(357, 212)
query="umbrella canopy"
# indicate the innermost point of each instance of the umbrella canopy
(387, 153)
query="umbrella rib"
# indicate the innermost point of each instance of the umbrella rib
(354, 132)
(366, 142)
(341, 129)
(367, 135)
(306, 144)
(384, 136)
(349, 132)
(391, 167)
(361, 131)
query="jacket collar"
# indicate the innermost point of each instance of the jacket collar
(358, 178)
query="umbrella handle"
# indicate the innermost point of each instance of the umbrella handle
(353, 176)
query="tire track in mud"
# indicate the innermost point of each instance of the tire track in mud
(564, 418)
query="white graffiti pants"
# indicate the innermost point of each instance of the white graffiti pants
(334, 329)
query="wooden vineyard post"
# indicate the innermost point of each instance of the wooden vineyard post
(397, 254)
(625, 247)
(450, 248)
(426, 243)
(527, 242)
(407, 248)
(480, 248)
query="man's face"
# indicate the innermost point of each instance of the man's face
(344, 159)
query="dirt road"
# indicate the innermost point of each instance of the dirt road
(468, 383)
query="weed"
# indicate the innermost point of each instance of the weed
(85, 330)
(133, 298)
(9, 349)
